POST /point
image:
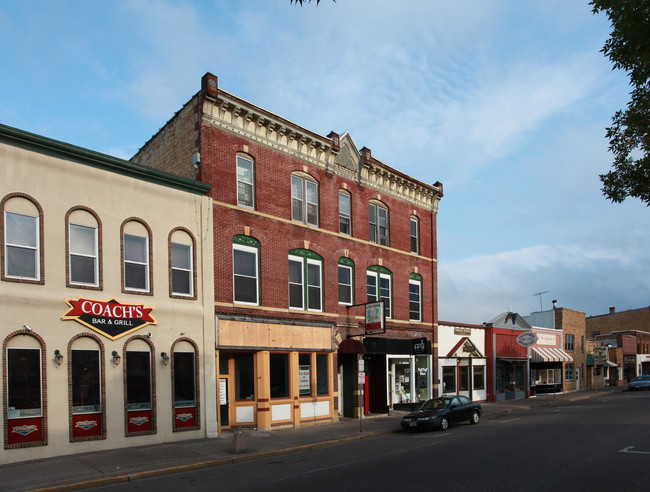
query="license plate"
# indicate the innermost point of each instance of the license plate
(412, 424)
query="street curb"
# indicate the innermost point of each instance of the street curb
(204, 464)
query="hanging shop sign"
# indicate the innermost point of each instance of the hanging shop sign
(375, 318)
(110, 318)
(527, 339)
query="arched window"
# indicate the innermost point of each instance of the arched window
(136, 257)
(139, 388)
(86, 388)
(185, 385)
(304, 199)
(182, 264)
(378, 223)
(245, 270)
(305, 280)
(83, 251)
(22, 239)
(25, 407)
(346, 281)
(415, 297)
(380, 287)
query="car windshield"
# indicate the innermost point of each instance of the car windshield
(641, 378)
(435, 404)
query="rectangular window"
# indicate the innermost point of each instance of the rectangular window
(244, 377)
(136, 262)
(415, 300)
(245, 183)
(569, 342)
(415, 235)
(449, 379)
(322, 375)
(138, 380)
(463, 376)
(379, 289)
(345, 285)
(344, 214)
(83, 255)
(279, 375)
(22, 259)
(314, 289)
(182, 266)
(23, 382)
(479, 377)
(304, 200)
(245, 274)
(378, 231)
(86, 380)
(304, 374)
(296, 283)
(184, 379)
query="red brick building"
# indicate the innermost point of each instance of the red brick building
(307, 229)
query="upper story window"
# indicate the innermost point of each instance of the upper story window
(136, 257)
(22, 239)
(380, 287)
(415, 235)
(83, 248)
(304, 199)
(181, 252)
(378, 218)
(345, 213)
(569, 342)
(305, 280)
(245, 182)
(415, 297)
(245, 269)
(346, 281)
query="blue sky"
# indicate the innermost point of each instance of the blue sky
(504, 101)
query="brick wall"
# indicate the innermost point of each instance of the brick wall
(174, 145)
(573, 323)
(634, 319)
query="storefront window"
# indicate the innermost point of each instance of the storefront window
(321, 375)
(279, 375)
(24, 382)
(463, 378)
(304, 374)
(245, 377)
(479, 377)
(138, 380)
(449, 379)
(85, 381)
(510, 376)
(569, 371)
(184, 379)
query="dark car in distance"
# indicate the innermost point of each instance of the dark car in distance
(639, 383)
(441, 412)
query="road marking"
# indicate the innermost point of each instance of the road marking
(511, 420)
(435, 436)
(630, 448)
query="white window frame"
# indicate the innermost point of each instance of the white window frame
(378, 238)
(304, 283)
(350, 285)
(36, 250)
(72, 253)
(343, 215)
(255, 251)
(241, 182)
(388, 301)
(416, 236)
(189, 271)
(419, 286)
(146, 264)
(302, 200)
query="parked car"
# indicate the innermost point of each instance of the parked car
(639, 383)
(441, 412)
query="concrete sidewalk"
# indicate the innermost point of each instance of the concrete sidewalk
(119, 465)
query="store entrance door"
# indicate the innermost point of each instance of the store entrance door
(224, 390)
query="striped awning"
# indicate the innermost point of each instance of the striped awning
(550, 354)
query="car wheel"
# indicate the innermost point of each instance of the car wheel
(475, 418)
(444, 424)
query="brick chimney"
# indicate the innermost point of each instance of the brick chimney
(612, 310)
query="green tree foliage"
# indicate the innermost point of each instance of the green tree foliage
(628, 47)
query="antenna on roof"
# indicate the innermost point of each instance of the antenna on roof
(540, 298)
